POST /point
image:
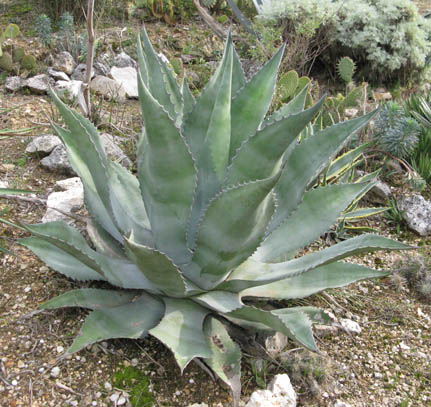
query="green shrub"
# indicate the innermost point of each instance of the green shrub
(217, 213)
(44, 29)
(388, 39)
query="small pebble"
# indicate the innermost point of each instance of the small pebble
(114, 397)
(121, 401)
(55, 371)
(60, 349)
(14, 382)
(107, 386)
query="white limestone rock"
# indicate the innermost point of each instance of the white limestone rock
(64, 62)
(128, 78)
(43, 145)
(39, 84)
(280, 393)
(14, 83)
(416, 211)
(58, 75)
(123, 60)
(350, 326)
(108, 88)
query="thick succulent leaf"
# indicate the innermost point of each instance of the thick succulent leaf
(260, 156)
(296, 326)
(333, 275)
(84, 150)
(103, 241)
(188, 98)
(295, 106)
(125, 274)
(363, 213)
(225, 360)
(127, 205)
(153, 75)
(208, 134)
(345, 162)
(219, 128)
(96, 201)
(252, 102)
(231, 232)
(220, 301)
(167, 178)
(300, 170)
(319, 210)
(60, 260)
(253, 273)
(174, 91)
(181, 330)
(238, 77)
(131, 320)
(92, 298)
(67, 239)
(157, 267)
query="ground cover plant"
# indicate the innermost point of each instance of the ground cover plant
(216, 215)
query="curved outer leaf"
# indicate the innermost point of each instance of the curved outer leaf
(253, 273)
(60, 260)
(68, 240)
(188, 98)
(201, 128)
(238, 77)
(319, 210)
(92, 298)
(131, 320)
(345, 162)
(127, 205)
(226, 356)
(363, 213)
(296, 325)
(157, 267)
(103, 241)
(300, 171)
(167, 178)
(181, 330)
(252, 102)
(70, 252)
(153, 74)
(230, 233)
(220, 301)
(88, 159)
(260, 156)
(295, 106)
(333, 275)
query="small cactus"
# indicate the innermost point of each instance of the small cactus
(17, 54)
(6, 63)
(28, 62)
(346, 69)
(289, 83)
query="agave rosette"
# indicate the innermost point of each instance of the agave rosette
(219, 208)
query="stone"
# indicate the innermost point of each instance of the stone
(379, 193)
(55, 371)
(280, 393)
(39, 84)
(64, 62)
(198, 405)
(340, 403)
(58, 75)
(72, 92)
(113, 151)
(4, 184)
(351, 112)
(324, 330)
(416, 211)
(123, 60)
(14, 83)
(108, 88)
(43, 145)
(57, 161)
(80, 73)
(128, 78)
(350, 326)
(69, 183)
(69, 201)
(275, 344)
(101, 68)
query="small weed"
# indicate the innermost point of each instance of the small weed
(137, 384)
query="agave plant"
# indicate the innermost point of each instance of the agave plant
(218, 210)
